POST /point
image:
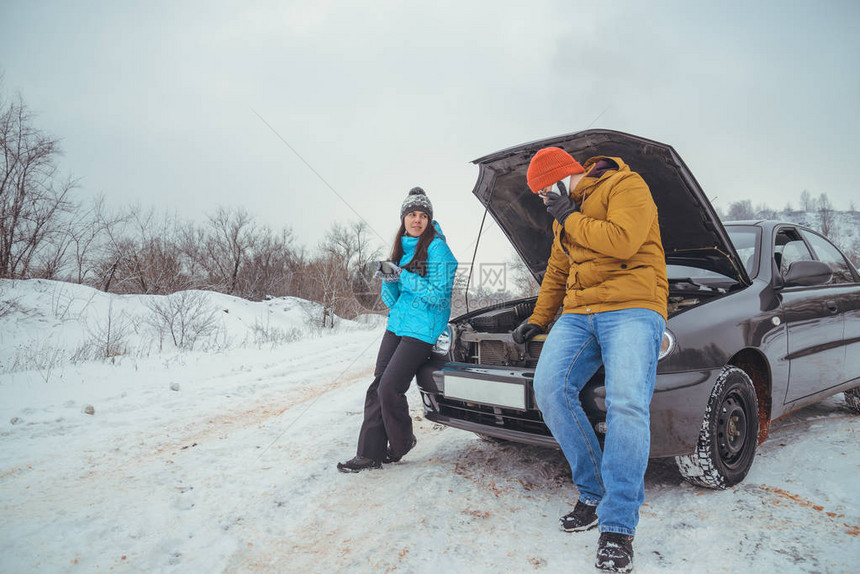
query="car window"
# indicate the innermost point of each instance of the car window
(827, 253)
(745, 240)
(788, 248)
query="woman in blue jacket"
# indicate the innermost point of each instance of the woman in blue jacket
(417, 293)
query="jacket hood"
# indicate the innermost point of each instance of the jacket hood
(690, 230)
(438, 229)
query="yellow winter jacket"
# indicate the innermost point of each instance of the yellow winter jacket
(608, 256)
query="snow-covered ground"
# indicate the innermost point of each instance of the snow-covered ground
(223, 460)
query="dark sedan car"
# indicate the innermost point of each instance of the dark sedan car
(764, 318)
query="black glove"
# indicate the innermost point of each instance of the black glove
(388, 277)
(560, 206)
(526, 331)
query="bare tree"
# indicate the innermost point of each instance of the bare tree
(142, 255)
(230, 238)
(269, 268)
(740, 210)
(340, 276)
(331, 288)
(806, 201)
(191, 243)
(346, 255)
(826, 215)
(86, 231)
(763, 211)
(351, 243)
(33, 196)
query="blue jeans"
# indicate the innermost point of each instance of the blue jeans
(627, 344)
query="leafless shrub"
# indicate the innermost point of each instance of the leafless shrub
(62, 301)
(266, 334)
(40, 356)
(107, 339)
(183, 318)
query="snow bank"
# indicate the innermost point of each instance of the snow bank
(47, 324)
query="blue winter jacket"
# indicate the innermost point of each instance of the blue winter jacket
(419, 306)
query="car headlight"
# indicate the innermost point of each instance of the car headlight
(667, 344)
(443, 343)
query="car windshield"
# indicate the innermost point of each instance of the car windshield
(745, 240)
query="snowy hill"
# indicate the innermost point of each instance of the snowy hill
(220, 457)
(47, 324)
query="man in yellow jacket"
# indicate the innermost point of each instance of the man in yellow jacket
(607, 268)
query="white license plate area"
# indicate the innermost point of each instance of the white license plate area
(494, 393)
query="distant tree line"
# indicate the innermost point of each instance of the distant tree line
(45, 232)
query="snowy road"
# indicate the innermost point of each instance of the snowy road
(235, 472)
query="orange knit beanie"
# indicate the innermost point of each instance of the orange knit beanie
(549, 165)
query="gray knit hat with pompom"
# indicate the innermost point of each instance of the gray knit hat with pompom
(417, 200)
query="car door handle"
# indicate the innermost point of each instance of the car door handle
(831, 306)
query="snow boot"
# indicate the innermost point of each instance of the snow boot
(614, 552)
(388, 458)
(582, 518)
(358, 463)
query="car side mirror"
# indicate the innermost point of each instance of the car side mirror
(807, 273)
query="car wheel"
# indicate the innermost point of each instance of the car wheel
(852, 398)
(729, 435)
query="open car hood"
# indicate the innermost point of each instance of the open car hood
(690, 229)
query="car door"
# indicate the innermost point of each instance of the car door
(845, 293)
(813, 323)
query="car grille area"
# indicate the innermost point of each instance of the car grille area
(528, 422)
(501, 353)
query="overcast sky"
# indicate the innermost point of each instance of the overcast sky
(167, 103)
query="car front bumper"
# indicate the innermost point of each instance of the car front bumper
(677, 407)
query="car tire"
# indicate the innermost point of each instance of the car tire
(852, 399)
(729, 435)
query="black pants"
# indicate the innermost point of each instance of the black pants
(386, 412)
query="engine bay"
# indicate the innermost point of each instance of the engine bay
(484, 337)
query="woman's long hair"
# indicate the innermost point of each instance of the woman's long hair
(418, 264)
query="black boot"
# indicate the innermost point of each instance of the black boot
(358, 463)
(614, 552)
(388, 458)
(582, 518)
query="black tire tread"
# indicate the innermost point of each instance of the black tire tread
(852, 399)
(698, 468)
